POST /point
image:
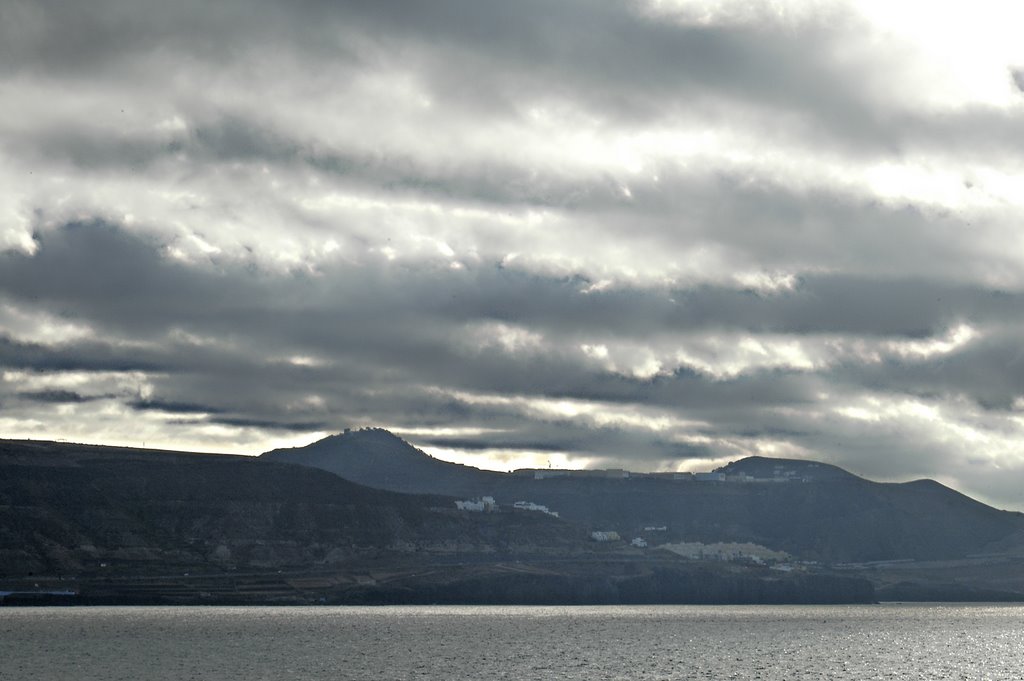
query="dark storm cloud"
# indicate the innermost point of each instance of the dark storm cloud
(775, 226)
(82, 356)
(817, 304)
(172, 407)
(96, 271)
(57, 396)
(269, 424)
(121, 279)
(989, 372)
(370, 329)
(382, 333)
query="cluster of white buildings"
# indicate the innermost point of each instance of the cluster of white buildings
(778, 474)
(545, 473)
(605, 535)
(488, 504)
(530, 506)
(724, 551)
(727, 551)
(481, 505)
(611, 535)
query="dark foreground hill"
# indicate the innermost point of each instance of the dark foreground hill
(810, 510)
(86, 524)
(73, 508)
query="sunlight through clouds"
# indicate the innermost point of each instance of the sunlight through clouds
(654, 234)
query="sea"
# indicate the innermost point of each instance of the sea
(886, 641)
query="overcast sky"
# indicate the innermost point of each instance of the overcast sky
(648, 234)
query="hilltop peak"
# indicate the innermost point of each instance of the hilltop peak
(368, 434)
(379, 458)
(372, 444)
(763, 467)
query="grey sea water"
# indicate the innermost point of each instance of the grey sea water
(643, 642)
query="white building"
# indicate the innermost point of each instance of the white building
(530, 506)
(477, 505)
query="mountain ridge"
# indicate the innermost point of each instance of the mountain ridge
(810, 509)
(94, 524)
(84, 524)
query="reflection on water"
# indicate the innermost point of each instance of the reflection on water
(618, 642)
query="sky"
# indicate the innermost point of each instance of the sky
(648, 234)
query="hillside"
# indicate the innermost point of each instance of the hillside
(380, 459)
(101, 525)
(811, 510)
(785, 470)
(74, 509)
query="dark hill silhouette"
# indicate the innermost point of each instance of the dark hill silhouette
(86, 524)
(67, 508)
(765, 468)
(821, 512)
(380, 459)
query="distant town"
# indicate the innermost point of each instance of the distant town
(779, 473)
(745, 552)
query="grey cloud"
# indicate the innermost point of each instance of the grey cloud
(228, 139)
(488, 60)
(615, 59)
(988, 371)
(602, 443)
(173, 407)
(1018, 78)
(74, 39)
(353, 339)
(362, 320)
(57, 396)
(768, 224)
(753, 225)
(86, 356)
(266, 424)
(112, 277)
(95, 270)
(977, 133)
(101, 146)
(486, 56)
(472, 444)
(390, 337)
